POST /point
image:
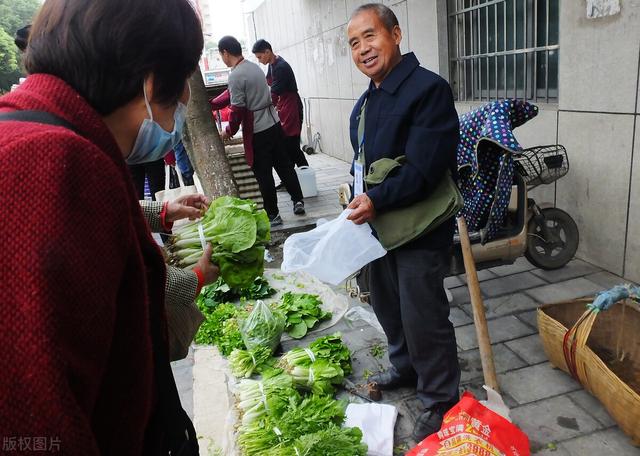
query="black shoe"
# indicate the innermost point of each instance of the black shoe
(428, 423)
(280, 187)
(391, 379)
(276, 220)
(298, 208)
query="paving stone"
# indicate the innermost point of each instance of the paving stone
(471, 365)
(404, 425)
(183, 375)
(476, 387)
(414, 406)
(563, 291)
(483, 274)
(537, 382)
(460, 295)
(606, 279)
(458, 317)
(575, 268)
(552, 449)
(500, 329)
(608, 442)
(593, 406)
(529, 348)
(510, 284)
(530, 318)
(553, 420)
(453, 282)
(505, 305)
(520, 265)
(364, 364)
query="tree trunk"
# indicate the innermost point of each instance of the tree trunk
(204, 145)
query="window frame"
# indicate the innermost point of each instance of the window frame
(516, 63)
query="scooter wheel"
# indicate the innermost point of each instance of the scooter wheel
(559, 249)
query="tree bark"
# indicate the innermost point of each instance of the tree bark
(204, 145)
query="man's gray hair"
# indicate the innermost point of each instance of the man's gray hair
(386, 15)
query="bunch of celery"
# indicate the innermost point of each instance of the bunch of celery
(238, 232)
(306, 416)
(257, 399)
(318, 377)
(330, 348)
(244, 363)
(331, 441)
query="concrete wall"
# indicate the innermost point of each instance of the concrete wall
(596, 119)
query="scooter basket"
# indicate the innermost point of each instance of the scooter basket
(601, 349)
(542, 164)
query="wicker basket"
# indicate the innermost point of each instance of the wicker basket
(601, 350)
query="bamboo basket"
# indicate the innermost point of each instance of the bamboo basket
(600, 349)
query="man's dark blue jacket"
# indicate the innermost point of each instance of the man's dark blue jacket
(411, 113)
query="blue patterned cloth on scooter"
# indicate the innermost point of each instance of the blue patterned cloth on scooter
(485, 163)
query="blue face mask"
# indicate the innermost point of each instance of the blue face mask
(154, 142)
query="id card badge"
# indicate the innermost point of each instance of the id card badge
(358, 169)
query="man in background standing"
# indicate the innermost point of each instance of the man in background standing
(284, 93)
(250, 102)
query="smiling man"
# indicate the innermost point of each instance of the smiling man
(408, 111)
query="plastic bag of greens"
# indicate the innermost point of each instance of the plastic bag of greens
(262, 328)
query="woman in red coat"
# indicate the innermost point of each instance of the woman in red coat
(83, 333)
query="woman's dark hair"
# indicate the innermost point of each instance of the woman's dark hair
(22, 37)
(261, 46)
(105, 49)
(231, 45)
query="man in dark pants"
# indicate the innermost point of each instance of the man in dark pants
(284, 92)
(409, 111)
(249, 99)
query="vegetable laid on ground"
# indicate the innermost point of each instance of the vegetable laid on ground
(303, 312)
(262, 327)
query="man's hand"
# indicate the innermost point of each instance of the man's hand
(363, 210)
(210, 272)
(225, 135)
(187, 206)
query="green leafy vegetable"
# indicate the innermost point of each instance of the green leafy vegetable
(262, 327)
(302, 313)
(270, 397)
(311, 414)
(219, 292)
(319, 377)
(238, 232)
(220, 328)
(329, 348)
(330, 441)
(244, 363)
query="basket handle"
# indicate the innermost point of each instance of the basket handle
(605, 299)
(578, 334)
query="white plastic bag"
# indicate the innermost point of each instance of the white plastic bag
(377, 422)
(333, 251)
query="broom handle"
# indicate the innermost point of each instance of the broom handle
(479, 318)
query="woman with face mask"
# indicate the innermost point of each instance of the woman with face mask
(83, 326)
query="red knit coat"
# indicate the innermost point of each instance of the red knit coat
(81, 278)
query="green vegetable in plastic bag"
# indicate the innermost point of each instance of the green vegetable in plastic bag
(262, 327)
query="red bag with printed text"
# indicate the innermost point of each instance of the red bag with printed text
(471, 429)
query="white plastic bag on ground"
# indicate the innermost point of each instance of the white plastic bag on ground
(333, 251)
(377, 422)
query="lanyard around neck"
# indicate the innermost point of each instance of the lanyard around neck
(363, 112)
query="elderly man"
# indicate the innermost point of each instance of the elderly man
(409, 111)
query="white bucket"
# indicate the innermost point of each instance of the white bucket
(307, 178)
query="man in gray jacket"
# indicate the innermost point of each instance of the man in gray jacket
(251, 106)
